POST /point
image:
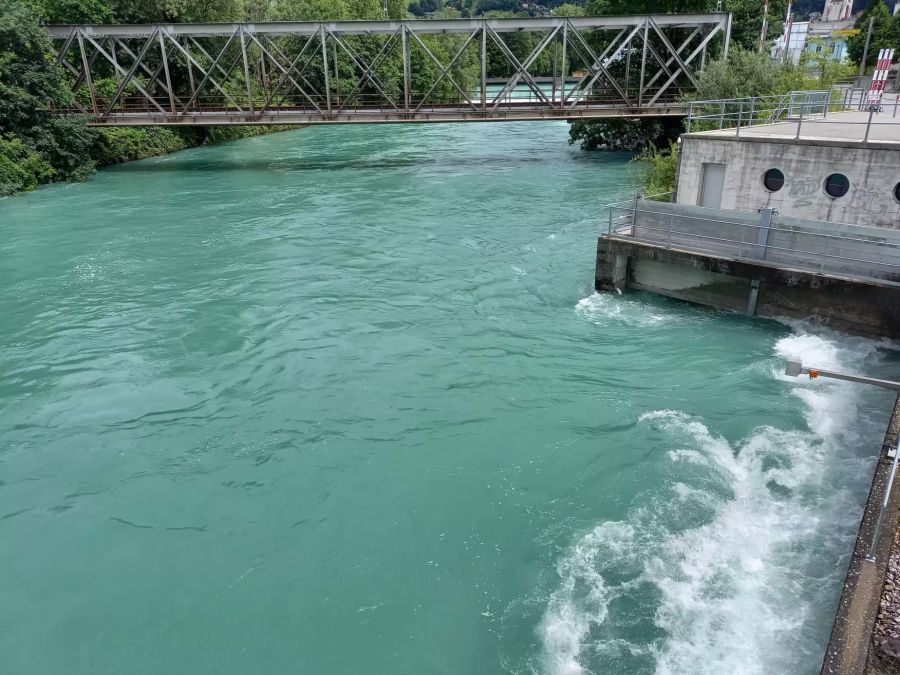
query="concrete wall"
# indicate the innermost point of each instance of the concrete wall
(793, 242)
(873, 172)
(761, 289)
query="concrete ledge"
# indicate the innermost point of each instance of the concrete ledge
(869, 307)
(830, 142)
(848, 648)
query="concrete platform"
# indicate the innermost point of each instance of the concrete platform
(840, 126)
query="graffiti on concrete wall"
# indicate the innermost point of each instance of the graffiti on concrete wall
(862, 205)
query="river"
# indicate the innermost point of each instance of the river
(342, 400)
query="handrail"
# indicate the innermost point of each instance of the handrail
(871, 254)
(796, 106)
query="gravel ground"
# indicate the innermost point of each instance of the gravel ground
(886, 634)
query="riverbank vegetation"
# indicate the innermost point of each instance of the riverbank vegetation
(655, 170)
(39, 147)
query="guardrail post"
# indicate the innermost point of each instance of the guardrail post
(752, 109)
(722, 115)
(762, 234)
(691, 112)
(669, 240)
(869, 123)
(740, 117)
(799, 123)
(887, 496)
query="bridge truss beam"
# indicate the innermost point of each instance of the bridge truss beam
(387, 71)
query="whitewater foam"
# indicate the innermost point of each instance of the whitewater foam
(740, 590)
(603, 308)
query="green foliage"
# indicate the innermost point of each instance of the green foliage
(656, 170)
(568, 9)
(885, 33)
(819, 64)
(744, 73)
(124, 144)
(747, 21)
(624, 134)
(71, 11)
(212, 135)
(185, 11)
(37, 146)
(21, 168)
(29, 78)
(65, 142)
(28, 75)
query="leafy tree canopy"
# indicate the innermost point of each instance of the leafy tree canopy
(885, 33)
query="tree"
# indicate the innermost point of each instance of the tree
(71, 11)
(37, 145)
(28, 75)
(625, 134)
(885, 33)
(819, 61)
(568, 9)
(745, 73)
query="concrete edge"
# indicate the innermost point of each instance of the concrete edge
(881, 283)
(851, 632)
(803, 140)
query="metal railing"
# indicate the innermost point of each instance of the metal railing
(353, 101)
(795, 107)
(857, 252)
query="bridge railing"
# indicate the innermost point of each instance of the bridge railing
(419, 100)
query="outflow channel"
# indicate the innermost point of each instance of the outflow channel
(342, 400)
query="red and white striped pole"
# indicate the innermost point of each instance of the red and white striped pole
(788, 27)
(879, 78)
(765, 26)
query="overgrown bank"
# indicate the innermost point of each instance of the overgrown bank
(39, 147)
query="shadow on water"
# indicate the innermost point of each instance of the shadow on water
(320, 163)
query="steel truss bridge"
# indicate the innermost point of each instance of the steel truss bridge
(387, 71)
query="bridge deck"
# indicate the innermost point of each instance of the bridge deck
(384, 116)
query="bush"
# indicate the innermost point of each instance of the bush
(65, 142)
(624, 134)
(124, 144)
(21, 168)
(656, 170)
(213, 135)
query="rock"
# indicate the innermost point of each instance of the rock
(891, 646)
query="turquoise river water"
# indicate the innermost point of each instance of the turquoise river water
(342, 400)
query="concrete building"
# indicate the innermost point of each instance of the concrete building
(824, 34)
(768, 167)
(796, 218)
(796, 43)
(825, 38)
(837, 10)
